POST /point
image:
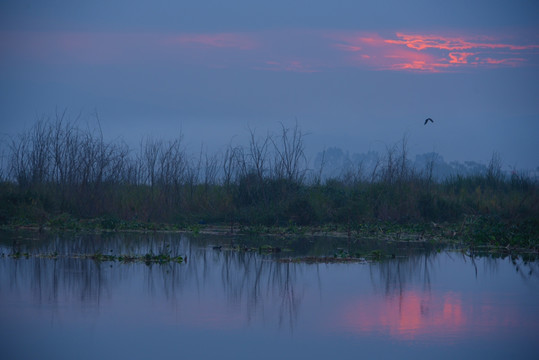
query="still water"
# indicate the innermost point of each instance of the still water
(230, 304)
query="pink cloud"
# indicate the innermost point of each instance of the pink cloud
(402, 59)
(354, 41)
(302, 51)
(509, 61)
(429, 53)
(372, 51)
(119, 48)
(459, 57)
(421, 42)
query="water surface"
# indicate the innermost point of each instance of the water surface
(226, 303)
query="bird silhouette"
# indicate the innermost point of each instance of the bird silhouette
(427, 120)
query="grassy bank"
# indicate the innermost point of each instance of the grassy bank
(62, 177)
(517, 229)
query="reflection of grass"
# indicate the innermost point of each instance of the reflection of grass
(148, 258)
(269, 249)
(323, 260)
(67, 222)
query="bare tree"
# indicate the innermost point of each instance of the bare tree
(210, 169)
(290, 160)
(258, 149)
(429, 167)
(494, 169)
(230, 165)
(149, 153)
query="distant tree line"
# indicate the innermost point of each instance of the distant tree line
(343, 163)
(59, 167)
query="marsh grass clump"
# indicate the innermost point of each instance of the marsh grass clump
(15, 255)
(269, 249)
(376, 255)
(99, 257)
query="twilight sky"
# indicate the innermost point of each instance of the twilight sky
(355, 74)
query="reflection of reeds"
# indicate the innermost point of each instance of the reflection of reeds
(148, 258)
(394, 276)
(248, 283)
(79, 266)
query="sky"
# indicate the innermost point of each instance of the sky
(360, 75)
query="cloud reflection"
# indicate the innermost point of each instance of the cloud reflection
(406, 317)
(420, 315)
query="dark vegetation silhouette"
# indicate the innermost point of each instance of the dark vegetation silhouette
(58, 171)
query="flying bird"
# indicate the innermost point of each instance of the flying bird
(427, 120)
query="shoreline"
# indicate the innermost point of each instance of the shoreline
(459, 234)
